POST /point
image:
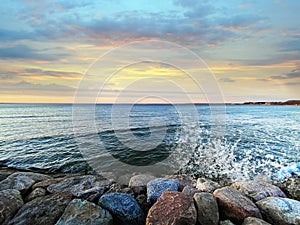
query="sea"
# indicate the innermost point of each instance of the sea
(234, 141)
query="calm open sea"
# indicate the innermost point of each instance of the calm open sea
(257, 139)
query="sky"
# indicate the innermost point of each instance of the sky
(60, 51)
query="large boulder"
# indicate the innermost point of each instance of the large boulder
(22, 181)
(172, 208)
(82, 212)
(234, 205)
(206, 185)
(139, 182)
(43, 210)
(81, 186)
(123, 207)
(207, 209)
(280, 211)
(257, 190)
(156, 187)
(254, 221)
(10, 202)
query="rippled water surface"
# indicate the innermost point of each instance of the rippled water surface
(255, 139)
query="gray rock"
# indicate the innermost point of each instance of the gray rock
(172, 208)
(81, 186)
(10, 202)
(157, 186)
(291, 186)
(235, 205)
(43, 210)
(254, 221)
(82, 212)
(207, 209)
(257, 190)
(22, 181)
(190, 191)
(5, 172)
(226, 222)
(280, 211)
(140, 180)
(45, 183)
(123, 207)
(207, 185)
(38, 192)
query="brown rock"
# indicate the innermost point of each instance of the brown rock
(235, 205)
(10, 202)
(257, 190)
(184, 180)
(291, 186)
(206, 185)
(45, 183)
(43, 210)
(172, 208)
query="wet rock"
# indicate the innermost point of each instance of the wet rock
(172, 208)
(123, 207)
(10, 202)
(81, 186)
(22, 181)
(82, 212)
(139, 182)
(190, 191)
(207, 209)
(254, 221)
(291, 186)
(257, 190)
(207, 185)
(43, 210)
(280, 211)
(157, 186)
(235, 205)
(38, 192)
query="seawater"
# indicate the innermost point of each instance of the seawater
(255, 139)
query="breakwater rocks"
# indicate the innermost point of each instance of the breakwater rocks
(29, 198)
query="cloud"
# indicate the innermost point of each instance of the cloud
(227, 80)
(52, 73)
(294, 74)
(27, 86)
(25, 52)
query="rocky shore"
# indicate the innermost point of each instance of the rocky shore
(31, 198)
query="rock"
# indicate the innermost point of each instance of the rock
(291, 186)
(257, 190)
(123, 207)
(190, 191)
(206, 185)
(142, 201)
(235, 205)
(38, 192)
(139, 182)
(81, 212)
(5, 172)
(207, 209)
(254, 221)
(43, 210)
(184, 180)
(81, 186)
(172, 208)
(45, 183)
(22, 181)
(157, 186)
(280, 211)
(226, 222)
(10, 202)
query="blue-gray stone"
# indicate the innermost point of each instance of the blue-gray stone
(280, 211)
(156, 187)
(123, 207)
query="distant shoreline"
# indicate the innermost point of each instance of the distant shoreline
(264, 103)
